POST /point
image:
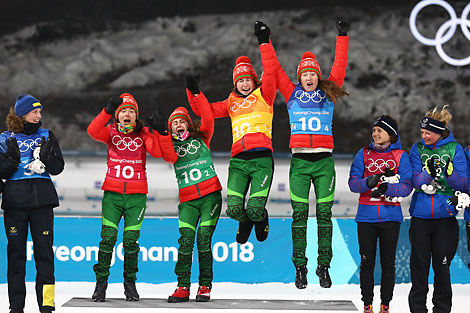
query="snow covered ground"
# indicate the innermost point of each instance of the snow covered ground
(67, 290)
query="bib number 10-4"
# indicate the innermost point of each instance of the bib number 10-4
(313, 124)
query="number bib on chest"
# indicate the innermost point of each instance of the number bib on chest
(194, 163)
(126, 157)
(250, 115)
(310, 112)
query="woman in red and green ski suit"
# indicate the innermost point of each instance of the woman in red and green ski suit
(310, 105)
(199, 194)
(125, 187)
(250, 108)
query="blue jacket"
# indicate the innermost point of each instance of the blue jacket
(466, 214)
(434, 206)
(357, 183)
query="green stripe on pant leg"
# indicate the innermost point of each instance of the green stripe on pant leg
(325, 233)
(131, 254)
(185, 257)
(204, 238)
(105, 253)
(299, 232)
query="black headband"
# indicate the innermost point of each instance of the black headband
(387, 124)
(433, 125)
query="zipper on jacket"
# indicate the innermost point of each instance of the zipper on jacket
(125, 187)
(198, 192)
(243, 143)
(311, 141)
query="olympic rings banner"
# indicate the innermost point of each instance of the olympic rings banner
(76, 245)
(445, 32)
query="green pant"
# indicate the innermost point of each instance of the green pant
(256, 174)
(206, 211)
(322, 174)
(114, 206)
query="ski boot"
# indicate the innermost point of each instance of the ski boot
(262, 227)
(384, 308)
(322, 273)
(244, 231)
(181, 294)
(368, 309)
(301, 277)
(203, 294)
(130, 291)
(16, 310)
(100, 291)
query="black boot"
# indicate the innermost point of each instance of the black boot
(301, 277)
(244, 231)
(100, 291)
(130, 291)
(16, 310)
(262, 227)
(322, 273)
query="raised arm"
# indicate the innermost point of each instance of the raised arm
(161, 137)
(338, 70)
(207, 118)
(97, 128)
(219, 109)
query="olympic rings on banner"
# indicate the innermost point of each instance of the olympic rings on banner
(127, 143)
(190, 148)
(379, 165)
(315, 96)
(247, 102)
(28, 144)
(441, 35)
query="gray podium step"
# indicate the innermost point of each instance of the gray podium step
(325, 305)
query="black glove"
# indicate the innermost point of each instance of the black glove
(192, 83)
(13, 151)
(112, 105)
(431, 166)
(389, 172)
(373, 180)
(157, 122)
(453, 201)
(262, 32)
(47, 147)
(342, 26)
(380, 191)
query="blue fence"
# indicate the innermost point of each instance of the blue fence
(76, 245)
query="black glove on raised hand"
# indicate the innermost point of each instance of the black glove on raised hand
(157, 122)
(47, 146)
(380, 191)
(373, 180)
(112, 105)
(262, 32)
(192, 83)
(13, 151)
(432, 165)
(342, 26)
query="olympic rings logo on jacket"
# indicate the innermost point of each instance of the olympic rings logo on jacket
(28, 144)
(127, 143)
(247, 102)
(315, 96)
(190, 148)
(450, 25)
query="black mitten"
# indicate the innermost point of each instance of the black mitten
(157, 122)
(373, 180)
(380, 191)
(192, 83)
(112, 105)
(342, 26)
(47, 147)
(262, 32)
(13, 151)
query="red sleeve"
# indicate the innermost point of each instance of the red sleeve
(338, 70)
(151, 143)
(219, 109)
(98, 129)
(166, 146)
(285, 86)
(270, 68)
(207, 118)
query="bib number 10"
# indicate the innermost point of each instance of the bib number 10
(195, 174)
(127, 172)
(313, 124)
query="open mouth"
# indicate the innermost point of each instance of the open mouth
(127, 121)
(180, 131)
(309, 84)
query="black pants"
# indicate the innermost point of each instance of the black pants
(368, 233)
(41, 223)
(436, 239)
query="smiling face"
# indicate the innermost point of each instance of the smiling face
(179, 126)
(33, 116)
(429, 137)
(309, 80)
(127, 116)
(245, 85)
(380, 136)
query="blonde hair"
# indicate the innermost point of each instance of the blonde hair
(443, 116)
(14, 122)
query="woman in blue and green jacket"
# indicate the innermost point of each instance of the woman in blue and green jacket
(381, 173)
(439, 169)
